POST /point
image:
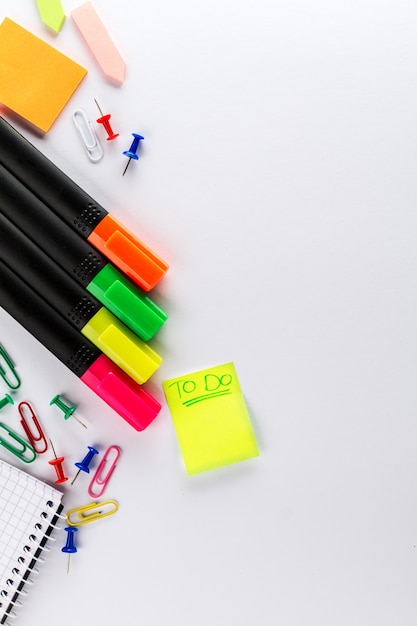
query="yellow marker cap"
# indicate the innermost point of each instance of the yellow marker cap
(122, 346)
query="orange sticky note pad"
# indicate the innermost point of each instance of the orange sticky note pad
(36, 80)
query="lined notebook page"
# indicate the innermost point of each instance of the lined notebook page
(28, 512)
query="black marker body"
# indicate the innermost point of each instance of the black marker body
(44, 276)
(51, 234)
(76, 208)
(75, 351)
(74, 205)
(44, 323)
(78, 258)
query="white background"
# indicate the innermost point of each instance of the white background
(278, 179)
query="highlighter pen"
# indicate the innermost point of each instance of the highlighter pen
(81, 309)
(79, 258)
(87, 362)
(78, 209)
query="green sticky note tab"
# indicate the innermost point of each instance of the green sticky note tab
(211, 419)
(52, 14)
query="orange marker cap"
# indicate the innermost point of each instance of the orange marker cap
(128, 253)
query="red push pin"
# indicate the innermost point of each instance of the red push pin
(57, 464)
(105, 120)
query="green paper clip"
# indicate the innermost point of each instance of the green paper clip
(3, 374)
(25, 446)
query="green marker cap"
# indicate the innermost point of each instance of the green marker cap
(126, 302)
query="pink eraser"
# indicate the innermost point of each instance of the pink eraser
(99, 41)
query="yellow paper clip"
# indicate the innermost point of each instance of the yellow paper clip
(91, 512)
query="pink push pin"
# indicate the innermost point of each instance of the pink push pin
(105, 120)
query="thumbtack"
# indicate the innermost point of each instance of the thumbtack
(68, 410)
(70, 547)
(105, 121)
(6, 400)
(83, 465)
(57, 464)
(131, 153)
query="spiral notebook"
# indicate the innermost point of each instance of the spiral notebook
(29, 511)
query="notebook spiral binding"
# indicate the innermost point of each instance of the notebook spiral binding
(35, 546)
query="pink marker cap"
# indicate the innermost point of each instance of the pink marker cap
(123, 394)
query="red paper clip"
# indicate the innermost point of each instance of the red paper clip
(98, 479)
(33, 438)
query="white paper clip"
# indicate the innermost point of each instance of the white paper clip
(87, 135)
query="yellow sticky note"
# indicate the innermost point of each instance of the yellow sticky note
(36, 80)
(211, 419)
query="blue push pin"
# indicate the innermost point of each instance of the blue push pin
(131, 153)
(83, 465)
(70, 547)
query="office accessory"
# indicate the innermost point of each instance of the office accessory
(80, 308)
(210, 418)
(97, 38)
(69, 411)
(105, 121)
(7, 399)
(100, 374)
(36, 80)
(69, 547)
(108, 463)
(132, 152)
(91, 512)
(87, 136)
(24, 452)
(29, 512)
(65, 408)
(57, 464)
(38, 436)
(51, 13)
(77, 257)
(83, 466)
(78, 209)
(14, 382)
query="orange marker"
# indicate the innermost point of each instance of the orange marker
(79, 210)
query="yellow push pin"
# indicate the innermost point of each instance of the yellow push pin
(52, 13)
